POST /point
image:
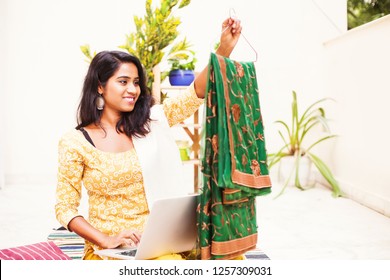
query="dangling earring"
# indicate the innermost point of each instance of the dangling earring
(100, 102)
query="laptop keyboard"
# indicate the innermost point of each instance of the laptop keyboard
(130, 253)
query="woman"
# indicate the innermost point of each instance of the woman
(110, 151)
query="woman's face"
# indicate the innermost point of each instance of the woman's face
(122, 90)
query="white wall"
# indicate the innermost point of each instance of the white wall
(2, 87)
(45, 67)
(357, 76)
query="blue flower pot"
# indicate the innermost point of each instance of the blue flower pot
(181, 77)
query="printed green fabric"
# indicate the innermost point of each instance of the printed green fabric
(233, 164)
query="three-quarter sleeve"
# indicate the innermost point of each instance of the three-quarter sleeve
(70, 172)
(181, 107)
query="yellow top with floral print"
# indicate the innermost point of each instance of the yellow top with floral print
(114, 181)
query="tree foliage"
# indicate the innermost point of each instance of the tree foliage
(363, 11)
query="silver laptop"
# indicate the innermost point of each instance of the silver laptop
(170, 228)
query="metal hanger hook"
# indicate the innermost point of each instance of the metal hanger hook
(232, 13)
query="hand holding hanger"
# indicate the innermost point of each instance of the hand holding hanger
(231, 31)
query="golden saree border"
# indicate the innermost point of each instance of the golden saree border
(233, 246)
(239, 177)
(206, 254)
(250, 180)
(237, 255)
(227, 192)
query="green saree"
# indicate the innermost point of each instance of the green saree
(233, 163)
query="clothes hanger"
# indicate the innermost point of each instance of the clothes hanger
(232, 15)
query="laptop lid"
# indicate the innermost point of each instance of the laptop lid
(170, 228)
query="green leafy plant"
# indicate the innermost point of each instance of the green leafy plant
(155, 32)
(293, 136)
(182, 60)
(86, 50)
(362, 11)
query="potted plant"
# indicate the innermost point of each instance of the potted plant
(294, 149)
(182, 68)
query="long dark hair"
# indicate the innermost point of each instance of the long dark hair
(102, 67)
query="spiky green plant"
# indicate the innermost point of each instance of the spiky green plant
(293, 137)
(154, 33)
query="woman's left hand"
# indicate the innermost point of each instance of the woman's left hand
(231, 31)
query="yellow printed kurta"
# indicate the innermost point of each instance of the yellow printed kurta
(114, 181)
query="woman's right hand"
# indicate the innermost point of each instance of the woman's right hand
(126, 238)
(79, 225)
